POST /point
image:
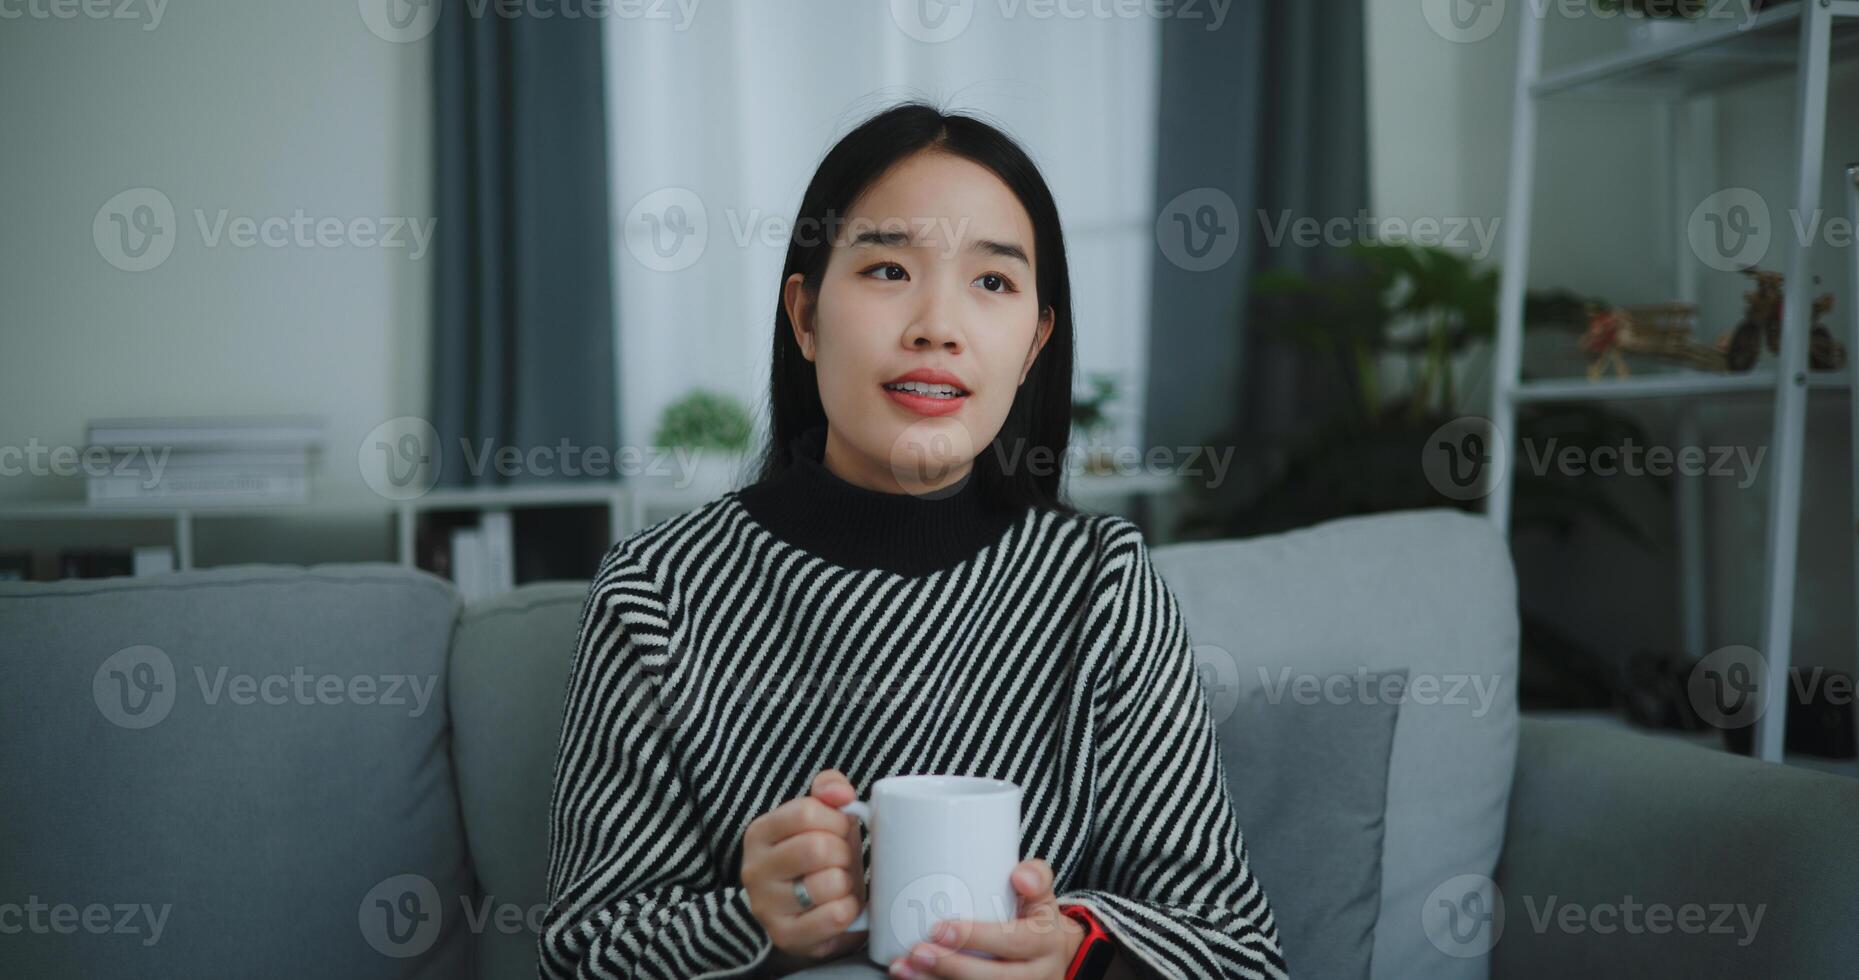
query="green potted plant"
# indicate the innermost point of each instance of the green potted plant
(1091, 420)
(707, 434)
(1404, 310)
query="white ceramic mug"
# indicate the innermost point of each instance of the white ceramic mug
(942, 847)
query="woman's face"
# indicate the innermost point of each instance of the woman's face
(931, 272)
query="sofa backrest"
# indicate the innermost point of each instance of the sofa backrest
(509, 676)
(1431, 592)
(231, 772)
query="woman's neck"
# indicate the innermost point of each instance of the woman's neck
(813, 508)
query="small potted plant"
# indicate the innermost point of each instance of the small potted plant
(708, 434)
(1091, 422)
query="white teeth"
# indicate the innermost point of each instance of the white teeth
(919, 388)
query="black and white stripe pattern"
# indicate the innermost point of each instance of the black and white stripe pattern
(718, 668)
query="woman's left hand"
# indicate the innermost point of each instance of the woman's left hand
(1039, 945)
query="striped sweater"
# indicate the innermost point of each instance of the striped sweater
(719, 666)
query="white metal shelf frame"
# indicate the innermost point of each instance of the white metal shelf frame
(1675, 74)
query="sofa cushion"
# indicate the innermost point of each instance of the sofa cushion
(1431, 592)
(231, 772)
(1314, 843)
(509, 677)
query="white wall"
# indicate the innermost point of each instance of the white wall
(259, 108)
(1440, 132)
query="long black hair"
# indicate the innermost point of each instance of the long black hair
(1022, 466)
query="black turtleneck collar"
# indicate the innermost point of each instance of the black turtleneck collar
(810, 507)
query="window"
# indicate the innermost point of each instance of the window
(717, 123)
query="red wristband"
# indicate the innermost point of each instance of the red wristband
(1093, 951)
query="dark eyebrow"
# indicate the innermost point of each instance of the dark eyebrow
(903, 239)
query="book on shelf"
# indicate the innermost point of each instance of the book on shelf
(235, 432)
(481, 557)
(154, 559)
(15, 566)
(216, 461)
(95, 562)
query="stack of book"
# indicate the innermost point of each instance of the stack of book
(482, 562)
(204, 462)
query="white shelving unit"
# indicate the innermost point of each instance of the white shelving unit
(1799, 39)
(629, 508)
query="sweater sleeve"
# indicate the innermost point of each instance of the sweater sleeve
(632, 892)
(1168, 873)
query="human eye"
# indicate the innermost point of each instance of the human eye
(883, 267)
(1006, 284)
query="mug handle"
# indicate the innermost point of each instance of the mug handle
(862, 811)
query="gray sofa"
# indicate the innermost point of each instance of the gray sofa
(341, 771)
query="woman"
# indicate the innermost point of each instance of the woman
(906, 536)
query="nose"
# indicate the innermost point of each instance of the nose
(934, 326)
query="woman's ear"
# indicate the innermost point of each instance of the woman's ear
(1040, 335)
(800, 307)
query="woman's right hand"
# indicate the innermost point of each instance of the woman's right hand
(807, 837)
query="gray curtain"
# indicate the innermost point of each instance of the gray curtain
(523, 347)
(1271, 110)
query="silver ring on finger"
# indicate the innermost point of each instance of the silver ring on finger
(801, 895)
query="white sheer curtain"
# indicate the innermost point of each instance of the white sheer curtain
(731, 112)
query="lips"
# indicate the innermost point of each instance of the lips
(927, 392)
